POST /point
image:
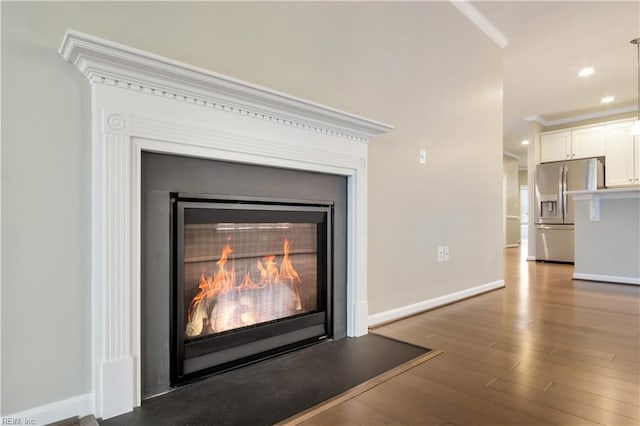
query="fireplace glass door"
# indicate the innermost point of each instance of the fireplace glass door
(250, 280)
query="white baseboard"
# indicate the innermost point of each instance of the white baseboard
(514, 245)
(81, 405)
(425, 305)
(531, 258)
(607, 278)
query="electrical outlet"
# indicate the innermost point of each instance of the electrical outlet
(440, 253)
(446, 253)
(423, 156)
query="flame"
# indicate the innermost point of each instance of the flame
(286, 268)
(210, 286)
(224, 281)
(288, 272)
(268, 272)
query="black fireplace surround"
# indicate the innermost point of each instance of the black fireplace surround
(239, 262)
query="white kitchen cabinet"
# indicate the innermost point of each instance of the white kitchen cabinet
(571, 144)
(622, 151)
(555, 146)
(587, 142)
(612, 139)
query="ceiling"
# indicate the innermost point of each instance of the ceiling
(549, 42)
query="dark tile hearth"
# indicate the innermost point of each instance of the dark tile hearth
(275, 389)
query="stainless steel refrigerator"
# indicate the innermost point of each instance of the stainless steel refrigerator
(554, 208)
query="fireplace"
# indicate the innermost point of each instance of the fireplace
(239, 262)
(143, 103)
(251, 278)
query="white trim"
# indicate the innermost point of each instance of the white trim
(580, 117)
(511, 154)
(606, 194)
(537, 119)
(81, 405)
(107, 62)
(144, 102)
(425, 305)
(594, 197)
(481, 22)
(512, 245)
(606, 278)
(591, 116)
(531, 258)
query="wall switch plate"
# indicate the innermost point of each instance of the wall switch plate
(440, 253)
(423, 156)
(446, 253)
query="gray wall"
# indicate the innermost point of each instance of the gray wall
(610, 246)
(533, 158)
(422, 67)
(512, 200)
(523, 178)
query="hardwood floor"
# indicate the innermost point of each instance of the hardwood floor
(544, 350)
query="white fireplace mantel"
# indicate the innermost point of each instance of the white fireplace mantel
(145, 102)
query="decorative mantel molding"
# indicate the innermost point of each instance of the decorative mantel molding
(144, 102)
(107, 62)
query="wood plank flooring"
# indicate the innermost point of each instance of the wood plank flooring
(544, 350)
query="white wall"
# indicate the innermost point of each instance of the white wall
(422, 67)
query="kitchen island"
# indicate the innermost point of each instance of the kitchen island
(607, 235)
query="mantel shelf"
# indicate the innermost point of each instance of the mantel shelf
(107, 62)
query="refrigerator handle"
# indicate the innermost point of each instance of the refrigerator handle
(561, 192)
(564, 192)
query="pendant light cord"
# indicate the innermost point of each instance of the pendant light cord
(635, 128)
(637, 43)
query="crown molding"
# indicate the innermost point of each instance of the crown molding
(536, 119)
(580, 117)
(107, 62)
(481, 22)
(510, 154)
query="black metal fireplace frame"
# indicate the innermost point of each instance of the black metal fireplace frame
(227, 350)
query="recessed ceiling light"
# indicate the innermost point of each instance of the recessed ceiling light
(585, 72)
(607, 99)
(525, 142)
